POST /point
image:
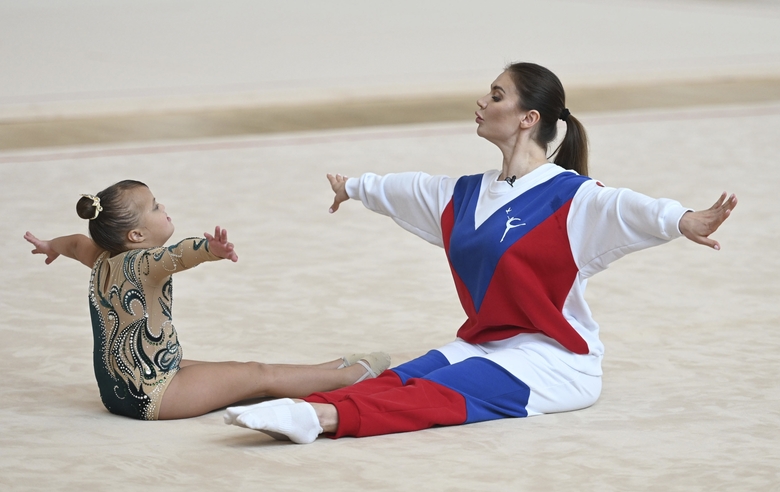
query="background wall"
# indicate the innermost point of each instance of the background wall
(75, 57)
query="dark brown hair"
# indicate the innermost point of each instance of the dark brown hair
(109, 229)
(541, 90)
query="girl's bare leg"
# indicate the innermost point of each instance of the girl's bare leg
(201, 387)
(334, 364)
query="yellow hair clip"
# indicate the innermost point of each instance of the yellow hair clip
(96, 204)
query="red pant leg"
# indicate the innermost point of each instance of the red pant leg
(419, 404)
(383, 382)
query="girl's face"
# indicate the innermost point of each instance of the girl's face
(153, 222)
(499, 115)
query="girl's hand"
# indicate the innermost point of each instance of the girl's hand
(697, 226)
(41, 247)
(339, 185)
(219, 245)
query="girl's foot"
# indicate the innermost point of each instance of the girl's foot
(374, 363)
(349, 360)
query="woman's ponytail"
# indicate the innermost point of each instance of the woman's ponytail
(572, 153)
(541, 90)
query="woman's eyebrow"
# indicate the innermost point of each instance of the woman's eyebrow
(498, 88)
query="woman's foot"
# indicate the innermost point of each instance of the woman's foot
(297, 422)
(232, 413)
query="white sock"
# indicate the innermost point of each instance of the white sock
(298, 422)
(232, 412)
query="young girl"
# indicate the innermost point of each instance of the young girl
(137, 357)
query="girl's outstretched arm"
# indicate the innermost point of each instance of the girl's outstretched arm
(697, 226)
(78, 246)
(219, 245)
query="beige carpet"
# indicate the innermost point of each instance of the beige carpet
(690, 398)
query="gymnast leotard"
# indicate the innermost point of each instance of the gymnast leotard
(136, 349)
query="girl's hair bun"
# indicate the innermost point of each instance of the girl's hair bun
(88, 207)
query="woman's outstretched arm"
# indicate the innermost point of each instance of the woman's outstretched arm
(339, 185)
(415, 201)
(78, 247)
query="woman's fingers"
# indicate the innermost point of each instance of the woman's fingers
(338, 185)
(700, 225)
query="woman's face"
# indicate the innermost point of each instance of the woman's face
(155, 224)
(499, 115)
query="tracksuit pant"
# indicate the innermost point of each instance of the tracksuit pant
(462, 383)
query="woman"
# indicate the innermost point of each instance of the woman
(522, 242)
(137, 357)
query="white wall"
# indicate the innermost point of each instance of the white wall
(90, 56)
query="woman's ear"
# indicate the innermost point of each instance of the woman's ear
(135, 236)
(530, 119)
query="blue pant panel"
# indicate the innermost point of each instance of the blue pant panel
(490, 391)
(419, 367)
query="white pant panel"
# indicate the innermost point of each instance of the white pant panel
(555, 386)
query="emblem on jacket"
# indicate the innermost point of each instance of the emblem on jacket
(511, 223)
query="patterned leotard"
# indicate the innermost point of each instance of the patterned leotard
(136, 349)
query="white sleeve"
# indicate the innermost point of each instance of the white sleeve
(415, 201)
(606, 224)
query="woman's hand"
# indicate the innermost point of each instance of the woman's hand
(41, 247)
(339, 185)
(219, 245)
(697, 226)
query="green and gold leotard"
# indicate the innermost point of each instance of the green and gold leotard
(136, 349)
